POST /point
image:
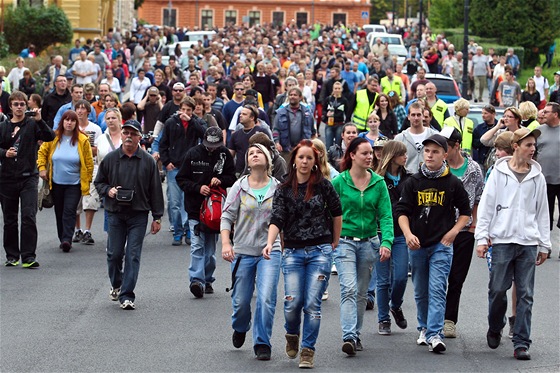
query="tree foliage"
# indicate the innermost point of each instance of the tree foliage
(138, 3)
(446, 13)
(42, 26)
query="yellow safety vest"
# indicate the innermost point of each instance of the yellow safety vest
(438, 111)
(363, 109)
(466, 131)
(394, 85)
(534, 124)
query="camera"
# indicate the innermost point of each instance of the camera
(30, 113)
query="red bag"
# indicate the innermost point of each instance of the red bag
(211, 210)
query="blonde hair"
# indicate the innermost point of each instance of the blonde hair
(374, 116)
(323, 164)
(391, 150)
(528, 110)
(461, 104)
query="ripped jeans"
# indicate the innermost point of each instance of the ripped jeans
(306, 277)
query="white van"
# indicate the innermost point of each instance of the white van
(191, 38)
(374, 28)
(385, 38)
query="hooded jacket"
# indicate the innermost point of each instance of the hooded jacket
(413, 151)
(513, 212)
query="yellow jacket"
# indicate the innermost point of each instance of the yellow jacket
(46, 152)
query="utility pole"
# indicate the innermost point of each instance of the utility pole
(465, 50)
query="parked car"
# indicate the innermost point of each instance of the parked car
(385, 38)
(374, 28)
(398, 50)
(475, 112)
(447, 89)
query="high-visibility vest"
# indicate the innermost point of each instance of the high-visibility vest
(534, 124)
(363, 109)
(394, 85)
(438, 111)
(466, 131)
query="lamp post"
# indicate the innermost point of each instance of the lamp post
(465, 50)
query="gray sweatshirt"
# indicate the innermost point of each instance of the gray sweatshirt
(251, 220)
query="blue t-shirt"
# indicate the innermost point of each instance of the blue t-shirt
(66, 162)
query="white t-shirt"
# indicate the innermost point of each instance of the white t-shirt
(541, 84)
(16, 74)
(103, 144)
(83, 67)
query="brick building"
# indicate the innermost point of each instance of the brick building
(218, 13)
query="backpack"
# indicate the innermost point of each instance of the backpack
(211, 210)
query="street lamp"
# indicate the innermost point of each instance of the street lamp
(465, 50)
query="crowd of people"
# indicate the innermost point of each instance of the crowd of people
(398, 184)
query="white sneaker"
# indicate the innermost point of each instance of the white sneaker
(333, 270)
(436, 344)
(325, 295)
(421, 341)
(128, 305)
(114, 294)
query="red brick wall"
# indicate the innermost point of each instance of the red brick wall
(152, 10)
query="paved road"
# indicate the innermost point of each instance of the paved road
(59, 318)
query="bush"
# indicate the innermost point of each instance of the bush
(4, 47)
(42, 26)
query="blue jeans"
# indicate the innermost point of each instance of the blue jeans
(176, 205)
(517, 261)
(203, 255)
(354, 262)
(265, 274)
(306, 277)
(125, 229)
(333, 134)
(430, 270)
(392, 276)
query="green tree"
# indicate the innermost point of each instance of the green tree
(379, 9)
(42, 26)
(446, 13)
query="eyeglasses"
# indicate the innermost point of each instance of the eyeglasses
(128, 133)
(509, 116)
(18, 104)
(239, 89)
(178, 90)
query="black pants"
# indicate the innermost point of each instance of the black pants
(20, 244)
(462, 255)
(66, 199)
(553, 193)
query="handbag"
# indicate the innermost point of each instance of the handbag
(45, 199)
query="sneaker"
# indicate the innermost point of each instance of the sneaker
(238, 339)
(208, 289)
(78, 236)
(370, 304)
(511, 321)
(333, 270)
(176, 242)
(11, 263)
(128, 305)
(188, 237)
(325, 295)
(292, 345)
(348, 347)
(171, 229)
(449, 329)
(399, 318)
(306, 358)
(421, 341)
(262, 352)
(521, 353)
(385, 327)
(436, 344)
(114, 294)
(197, 289)
(359, 346)
(32, 264)
(87, 239)
(493, 339)
(66, 246)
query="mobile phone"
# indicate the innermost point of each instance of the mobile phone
(30, 113)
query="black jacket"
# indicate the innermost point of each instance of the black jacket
(53, 101)
(176, 142)
(198, 169)
(139, 173)
(25, 164)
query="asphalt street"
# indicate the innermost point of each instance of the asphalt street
(59, 318)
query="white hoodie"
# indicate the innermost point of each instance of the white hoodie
(513, 212)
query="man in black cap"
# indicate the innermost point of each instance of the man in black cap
(205, 166)
(129, 179)
(426, 215)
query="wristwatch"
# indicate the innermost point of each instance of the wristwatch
(157, 221)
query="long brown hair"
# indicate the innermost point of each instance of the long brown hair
(346, 161)
(391, 150)
(315, 177)
(69, 114)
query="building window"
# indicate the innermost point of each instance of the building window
(207, 18)
(301, 18)
(31, 3)
(231, 17)
(277, 18)
(170, 17)
(339, 17)
(254, 17)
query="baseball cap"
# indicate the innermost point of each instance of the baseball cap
(153, 90)
(438, 140)
(252, 93)
(178, 85)
(213, 137)
(522, 133)
(133, 124)
(557, 73)
(451, 134)
(380, 142)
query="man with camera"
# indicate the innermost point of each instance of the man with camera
(19, 179)
(129, 180)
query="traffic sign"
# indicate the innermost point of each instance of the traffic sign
(365, 15)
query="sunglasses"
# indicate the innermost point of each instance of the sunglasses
(239, 89)
(178, 90)
(18, 104)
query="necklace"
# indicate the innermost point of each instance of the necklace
(361, 187)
